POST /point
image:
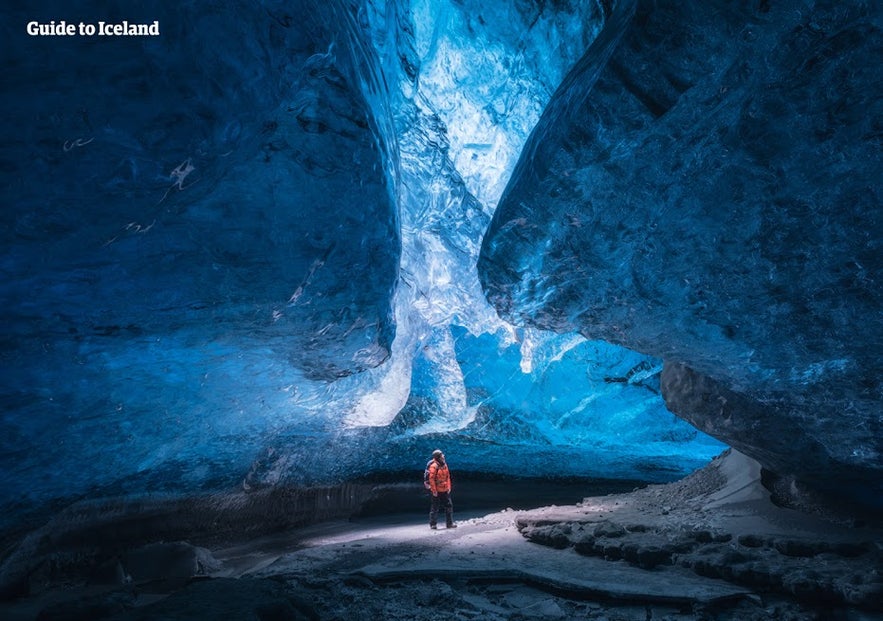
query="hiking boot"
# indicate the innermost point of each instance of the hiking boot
(433, 527)
(452, 526)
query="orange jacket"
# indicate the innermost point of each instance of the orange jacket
(439, 477)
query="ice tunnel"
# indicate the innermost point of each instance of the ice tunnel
(298, 243)
(245, 250)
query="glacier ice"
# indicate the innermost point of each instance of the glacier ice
(247, 249)
(705, 188)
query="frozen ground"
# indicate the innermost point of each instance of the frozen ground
(711, 546)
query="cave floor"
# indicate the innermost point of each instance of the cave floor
(483, 569)
(709, 547)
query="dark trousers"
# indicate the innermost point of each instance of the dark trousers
(442, 500)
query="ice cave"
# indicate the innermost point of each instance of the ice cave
(620, 259)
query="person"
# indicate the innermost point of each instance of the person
(440, 487)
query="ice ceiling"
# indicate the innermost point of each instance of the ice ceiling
(260, 247)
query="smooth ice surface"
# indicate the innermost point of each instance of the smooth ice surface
(245, 252)
(705, 188)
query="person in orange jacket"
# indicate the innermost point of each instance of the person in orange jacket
(440, 487)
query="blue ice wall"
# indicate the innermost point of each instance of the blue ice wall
(192, 225)
(228, 176)
(245, 251)
(705, 188)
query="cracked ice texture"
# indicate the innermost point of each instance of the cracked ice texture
(473, 78)
(705, 188)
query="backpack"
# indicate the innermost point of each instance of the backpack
(426, 484)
